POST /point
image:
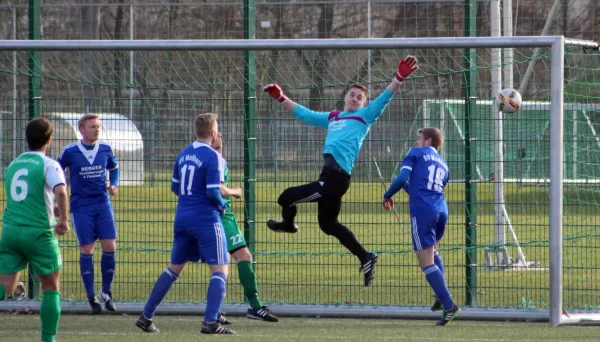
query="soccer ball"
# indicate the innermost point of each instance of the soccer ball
(508, 101)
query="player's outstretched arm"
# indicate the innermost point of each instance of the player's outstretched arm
(375, 109)
(309, 117)
(231, 192)
(406, 66)
(398, 184)
(275, 91)
(62, 204)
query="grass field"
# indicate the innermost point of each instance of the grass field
(312, 268)
(87, 328)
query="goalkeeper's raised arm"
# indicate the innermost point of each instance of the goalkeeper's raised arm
(354, 99)
(309, 117)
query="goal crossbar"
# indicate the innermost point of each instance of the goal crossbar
(278, 44)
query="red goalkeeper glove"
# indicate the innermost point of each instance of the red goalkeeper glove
(406, 67)
(274, 90)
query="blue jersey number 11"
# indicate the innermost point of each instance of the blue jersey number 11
(190, 179)
(437, 183)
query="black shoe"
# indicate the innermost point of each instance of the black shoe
(94, 305)
(107, 299)
(214, 328)
(282, 226)
(223, 320)
(146, 325)
(368, 268)
(263, 314)
(437, 305)
(448, 316)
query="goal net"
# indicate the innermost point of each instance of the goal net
(550, 202)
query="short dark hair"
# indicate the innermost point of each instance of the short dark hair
(361, 87)
(38, 132)
(437, 139)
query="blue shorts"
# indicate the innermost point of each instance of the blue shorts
(427, 230)
(94, 222)
(200, 243)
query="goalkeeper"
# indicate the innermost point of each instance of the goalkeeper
(236, 245)
(346, 131)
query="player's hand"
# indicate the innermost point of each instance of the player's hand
(62, 227)
(274, 90)
(236, 192)
(388, 204)
(406, 66)
(222, 211)
(112, 190)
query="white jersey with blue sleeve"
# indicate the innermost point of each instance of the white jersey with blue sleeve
(346, 131)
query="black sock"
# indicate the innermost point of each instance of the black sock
(348, 240)
(289, 214)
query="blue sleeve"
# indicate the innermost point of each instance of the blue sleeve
(63, 159)
(213, 175)
(112, 160)
(113, 176)
(399, 183)
(310, 117)
(374, 110)
(409, 161)
(214, 195)
(175, 179)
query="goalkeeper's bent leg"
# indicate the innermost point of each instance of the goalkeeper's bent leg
(2, 292)
(290, 197)
(329, 209)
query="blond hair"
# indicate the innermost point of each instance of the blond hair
(203, 124)
(86, 118)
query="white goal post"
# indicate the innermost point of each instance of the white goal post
(557, 45)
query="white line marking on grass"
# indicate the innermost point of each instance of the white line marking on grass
(102, 333)
(391, 338)
(300, 336)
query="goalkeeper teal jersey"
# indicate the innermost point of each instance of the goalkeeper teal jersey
(346, 131)
(30, 182)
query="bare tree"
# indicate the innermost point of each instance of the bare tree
(90, 28)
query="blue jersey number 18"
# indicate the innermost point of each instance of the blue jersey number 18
(437, 183)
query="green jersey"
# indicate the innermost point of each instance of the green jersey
(235, 238)
(224, 171)
(30, 181)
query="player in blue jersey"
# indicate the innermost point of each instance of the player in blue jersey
(424, 174)
(91, 211)
(198, 234)
(346, 131)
